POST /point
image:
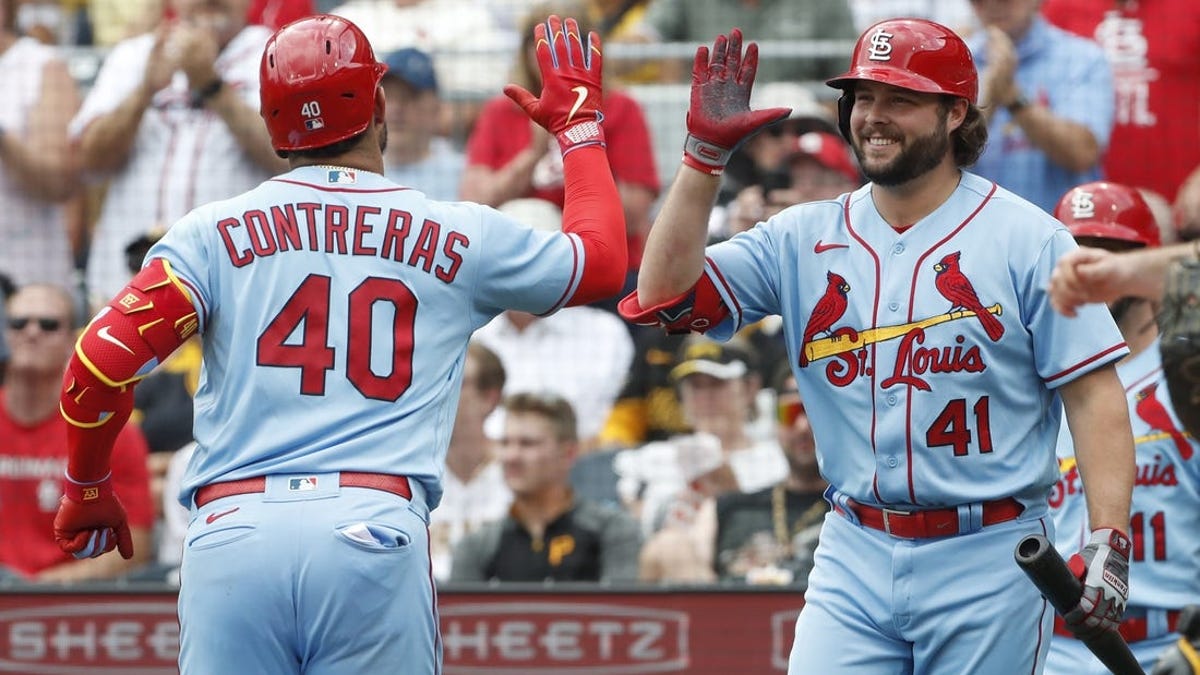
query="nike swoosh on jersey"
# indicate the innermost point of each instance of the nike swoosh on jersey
(212, 517)
(105, 335)
(581, 93)
(821, 248)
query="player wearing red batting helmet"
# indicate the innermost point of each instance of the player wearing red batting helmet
(922, 56)
(316, 97)
(1108, 215)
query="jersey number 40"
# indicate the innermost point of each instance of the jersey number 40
(314, 356)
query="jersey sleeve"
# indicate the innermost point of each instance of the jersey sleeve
(184, 247)
(1065, 348)
(744, 270)
(525, 269)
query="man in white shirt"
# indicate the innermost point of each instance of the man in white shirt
(579, 353)
(172, 122)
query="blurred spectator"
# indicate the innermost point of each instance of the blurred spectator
(465, 38)
(647, 408)
(769, 536)
(1048, 99)
(173, 121)
(581, 353)
(762, 157)
(37, 169)
(275, 14)
(620, 21)
(113, 21)
(817, 165)
(474, 489)
(33, 457)
(509, 158)
(548, 534)
(416, 155)
(795, 21)
(1151, 46)
(718, 390)
(955, 14)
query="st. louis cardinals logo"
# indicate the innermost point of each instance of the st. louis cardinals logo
(1083, 205)
(881, 46)
(1151, 411)
(829, 309)
(913, 359)
(956, 287)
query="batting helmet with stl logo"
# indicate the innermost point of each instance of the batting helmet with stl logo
(914, 54)
(1108, 211)
(317, 83)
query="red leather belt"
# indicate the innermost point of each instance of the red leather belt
(931, 523)
(1133, 629)
(397, 485)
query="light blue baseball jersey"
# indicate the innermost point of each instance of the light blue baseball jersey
(1068, 507)
(917, 398)
(335, 309)
(1164, 526)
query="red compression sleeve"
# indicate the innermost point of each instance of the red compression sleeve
(592, 210)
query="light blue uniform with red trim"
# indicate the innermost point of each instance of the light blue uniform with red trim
(335, 308)
(1164, 527)
(917, 403)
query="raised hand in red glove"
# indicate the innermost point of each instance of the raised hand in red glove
(1103, 568)
(719, 117)
(91, 520)
(569, 106)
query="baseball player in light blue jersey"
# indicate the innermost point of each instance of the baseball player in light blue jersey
(1164, 563)
(335, 308)
(928, 355)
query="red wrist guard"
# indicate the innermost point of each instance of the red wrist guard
(581, 135)
(82, 493)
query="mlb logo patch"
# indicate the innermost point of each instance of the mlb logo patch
(342, 177)
(314, 124)
(302, 484)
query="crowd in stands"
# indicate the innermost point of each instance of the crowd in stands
(585, 448)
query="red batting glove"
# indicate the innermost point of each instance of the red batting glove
(719, 117)
(91, 520)
(1103, 568)
(569, 106)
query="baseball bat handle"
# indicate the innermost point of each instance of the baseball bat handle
(1041, 562)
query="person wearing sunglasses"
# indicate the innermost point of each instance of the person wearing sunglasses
(769, 536)
(41, 337)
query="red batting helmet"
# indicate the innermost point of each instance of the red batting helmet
(914, 54)
(317, 83)
(1105, 210)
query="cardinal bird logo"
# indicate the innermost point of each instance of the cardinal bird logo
(1154, 413)
(957, 288)
(829, 309)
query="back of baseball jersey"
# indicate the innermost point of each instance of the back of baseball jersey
(335, 311)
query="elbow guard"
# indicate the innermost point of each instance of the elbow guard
(135, 332)
(697, 309)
